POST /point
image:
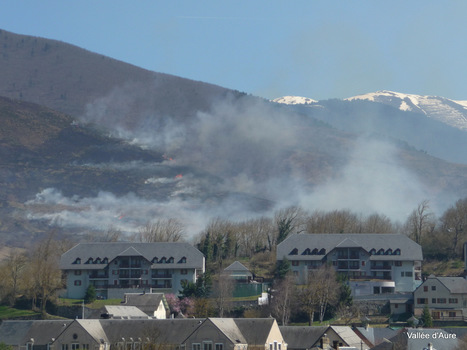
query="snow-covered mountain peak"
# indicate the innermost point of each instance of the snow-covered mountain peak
(294, 100)
(451, 112)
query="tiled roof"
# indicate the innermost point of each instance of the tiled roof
(85, 251)
(409, 250)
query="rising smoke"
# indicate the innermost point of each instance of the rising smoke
(243, 158)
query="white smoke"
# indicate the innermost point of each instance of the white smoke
(244, 158)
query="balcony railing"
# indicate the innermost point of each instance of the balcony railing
(161, 275)
(95, 275)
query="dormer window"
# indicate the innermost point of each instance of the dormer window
(322, 251)
(294, 251)
(170, 260)
(373, 251)
(77, 261)
(155, 260)
(315, 251)
(388, 252)
(105, 261)
(397, 252)
(163, 260)
(97, 261)
(380, 252)
(90, 261)
(306, 252)
(182, 260)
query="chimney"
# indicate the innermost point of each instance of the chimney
(324, 342)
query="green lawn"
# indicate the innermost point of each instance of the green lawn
(10, 313)
(97, 304)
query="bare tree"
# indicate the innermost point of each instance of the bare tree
(454, 224)
(320, 290)
(288, 220)
(282, 295)
(223, 293)
(161, 230)
(420, 222)
(12, 274)
(44, 276)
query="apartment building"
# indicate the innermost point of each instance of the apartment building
(374, 263)
(118, 268)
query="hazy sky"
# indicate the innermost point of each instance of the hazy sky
(318, 49)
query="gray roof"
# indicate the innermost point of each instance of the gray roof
(302, 337)
(438, 343)
(229, 327)
(454, 284)
(123, 311)
(236, 266)
(409, 250)
(376, 334)
(255, 330)
(147, 302)
(84, 251)
(173, 331)
(20, 332)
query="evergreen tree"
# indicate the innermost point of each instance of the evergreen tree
(90, 295)
(426, 319)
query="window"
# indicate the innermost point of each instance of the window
(219, 346)
(398, 263)
(425, 288)
(433, 287)
(207, 345)
(441, 300)
(452, 314)
(64, 346)
(77, 272)
(183, 271)
(433, 300)
(363, 263)
(408, 274)
(77, 283)
(84, 346)
(77, 261)
(74, 346)
(195, 346)
(397, 252)
(422, 301)
(453, 300)
(182, 260)
(294, 262)
(294, 251)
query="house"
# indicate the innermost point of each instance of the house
(317, 337)
(238, 271)
(172, 334)
(236, 334)
(373, 336)
(118, 334)
(122, 312)
(153, 304)
(118, 268)
(446, 298)
(374, 263)
(31, 334)
(419, 339)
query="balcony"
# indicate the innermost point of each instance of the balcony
(99, 275)
(161, 275)
(380, 267)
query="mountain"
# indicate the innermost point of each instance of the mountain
(67, 78)
(294, 100)
(430, 124)
(450, 112)
(89, 143)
